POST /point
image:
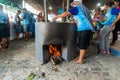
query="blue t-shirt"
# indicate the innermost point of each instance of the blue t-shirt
(33, 19)
(81, 14)
(3, 17)
(27, 17)
(115, 11)
(110, 18)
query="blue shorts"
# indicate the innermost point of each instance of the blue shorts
(27, 28)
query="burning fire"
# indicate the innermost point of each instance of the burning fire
(54, 51)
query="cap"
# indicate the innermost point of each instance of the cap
(76, 1)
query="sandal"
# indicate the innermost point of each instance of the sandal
(79, 62)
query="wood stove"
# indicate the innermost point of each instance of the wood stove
(62, 34)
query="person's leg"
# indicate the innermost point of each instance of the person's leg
(31, 26)
(27, 35)
(22, 31)
(7, 37)
(33, 30)
(26, 31)
(19, 30)
(6, 32)
(16, 28)
(96, 36)
(109, 29)
(3, 44)
(102, 36)
(29, 29)
(107, 42)
(115, 35)
(80, 59)
(84, 39)
(8, 42)
(97, 30)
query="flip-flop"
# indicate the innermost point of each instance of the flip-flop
(79, 62)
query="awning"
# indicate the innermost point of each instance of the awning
(10, 6)
(8, 3)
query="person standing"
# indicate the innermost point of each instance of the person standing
(27, 19)
(39, 17)
(17, 24)
(117, 25)
(97, 18)
(4, 29)
(105, 31)
(84, 26)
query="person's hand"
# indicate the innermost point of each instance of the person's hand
(113, 24)
(54, 19)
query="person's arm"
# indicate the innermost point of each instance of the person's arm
(73, 11)
(117, 19)
(62, 15)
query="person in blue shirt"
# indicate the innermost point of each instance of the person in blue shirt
(4, 29)
(27, 19)
(84, 26)
(115, 11)
(105, 31)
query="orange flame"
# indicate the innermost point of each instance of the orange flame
(54, 51)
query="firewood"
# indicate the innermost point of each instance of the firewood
(52, 60)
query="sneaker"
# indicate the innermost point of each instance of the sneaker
(108, 52)
(103, 51)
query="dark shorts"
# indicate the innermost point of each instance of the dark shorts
(84, 39)
(27, 28)
(4, 31)
(1, 29)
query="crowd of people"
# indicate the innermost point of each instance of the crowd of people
(103, 23)
(25, 29)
